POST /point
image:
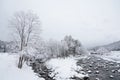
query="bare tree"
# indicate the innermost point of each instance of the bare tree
(25, 26)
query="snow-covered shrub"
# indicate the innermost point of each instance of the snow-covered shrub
(12, 47)
(73, 47)
(25, 57)
(38, 50)
(55, 48)
(2, 46)
(65, 48)
(102, 50)
(44, 50)
(51, 49)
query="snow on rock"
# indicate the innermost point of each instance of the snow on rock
(89, 71)
(9, 70)
(97, 79)
(111, 76)
(119, 70)
(65, 68)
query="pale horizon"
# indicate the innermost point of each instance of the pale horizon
(93, 22)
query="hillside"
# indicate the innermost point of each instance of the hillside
(115, 46)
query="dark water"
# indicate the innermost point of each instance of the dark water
(99, 69)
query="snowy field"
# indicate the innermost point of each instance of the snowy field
(112, 56)
(9, 70)
(64, 68)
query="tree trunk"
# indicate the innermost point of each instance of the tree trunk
(20, 63)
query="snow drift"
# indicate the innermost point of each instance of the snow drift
(65, 69)
(9, 70)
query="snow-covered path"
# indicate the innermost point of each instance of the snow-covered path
(9, 70)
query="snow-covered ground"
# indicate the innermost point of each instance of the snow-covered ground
(112, 56)
(9, 70)
(65, 68)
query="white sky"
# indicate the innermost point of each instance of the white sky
(93, 22)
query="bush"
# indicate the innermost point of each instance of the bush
(46, 50)
(73, 47)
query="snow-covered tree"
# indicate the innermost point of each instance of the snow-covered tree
(73, 47)
(24, 25)
(2, 46)
(55, 48)
(102, 50)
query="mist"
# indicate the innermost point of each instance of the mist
(93, 22)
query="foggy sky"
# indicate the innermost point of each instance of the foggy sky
(93, 22)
